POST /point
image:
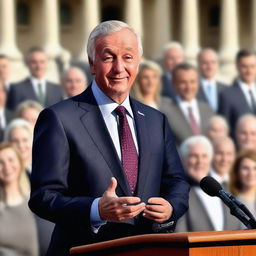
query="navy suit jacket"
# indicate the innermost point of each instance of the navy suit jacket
(24, 90)
(233, 104)
(74, 159)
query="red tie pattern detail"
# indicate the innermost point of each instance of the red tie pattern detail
(128, 150)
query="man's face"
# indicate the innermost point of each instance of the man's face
(246, 135)
(173, 57)
(4, 69)
(186, 84)
(247, 69)
(37, 64)
(216, 130)
(224, 157)
(74, 83)
(116, 63)
(198, 162)
(208, 64)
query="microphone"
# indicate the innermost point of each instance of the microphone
(211, 187)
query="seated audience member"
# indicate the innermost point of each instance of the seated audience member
(18, 233)
(205, 212)
(243, 179)
(148, 84)
(35, 87)
(187, 115)
(223, 160)
(29, 110)
(239, 99)
(245, 132)
(217, 127)
(5, 71)
(74, 82)
(5, 114)
(210, 88)
(20, 133)
(172, 55)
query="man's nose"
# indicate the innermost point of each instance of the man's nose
(118, 65)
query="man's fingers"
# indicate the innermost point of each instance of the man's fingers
(156, 200)
(129, 200)
(155, 208)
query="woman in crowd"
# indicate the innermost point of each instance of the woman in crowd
(243, 179)
(20, 133)
(148, 84)
(18, 234)
(29, 110)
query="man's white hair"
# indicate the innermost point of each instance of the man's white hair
(171, 45)
(244, 119)
(107, 28)
(195, 140)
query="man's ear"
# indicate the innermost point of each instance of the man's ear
(92, 68)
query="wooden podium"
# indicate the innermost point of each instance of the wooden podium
(212, 243)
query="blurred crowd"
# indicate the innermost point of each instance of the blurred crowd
(214, 125)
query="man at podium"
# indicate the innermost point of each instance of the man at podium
(104, 165)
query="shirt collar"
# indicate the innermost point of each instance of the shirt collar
(244, 86)
(106, 104)
(206, 82)
(185, 103)
(36, 81)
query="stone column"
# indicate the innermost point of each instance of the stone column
(133, 15)
(190, 29)
(253, 20)
(8, 30)
(228, 37)
(161, 27)
(91, 18)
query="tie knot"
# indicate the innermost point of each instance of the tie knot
(120, 111)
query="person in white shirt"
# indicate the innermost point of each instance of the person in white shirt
(210, 87)
(186, 114)
(240, 97)
(205, 213)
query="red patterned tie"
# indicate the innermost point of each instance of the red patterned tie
(128, 149)
(194, 125)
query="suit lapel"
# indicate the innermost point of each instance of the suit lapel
(144, 152)
(30, 93)
(241, 96)
(94, 123)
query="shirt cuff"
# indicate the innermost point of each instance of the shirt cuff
(96, 221)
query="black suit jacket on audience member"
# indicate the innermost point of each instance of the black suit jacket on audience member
(24, 90)
(202, 96)
(167, 88)
(8, 117)
(233, 104)
(74, 159)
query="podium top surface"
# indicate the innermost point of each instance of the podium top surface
(172, 239)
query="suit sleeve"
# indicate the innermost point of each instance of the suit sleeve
(50, 196)
(175, 187)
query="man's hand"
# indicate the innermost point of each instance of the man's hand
(158, 209)
(114, 208)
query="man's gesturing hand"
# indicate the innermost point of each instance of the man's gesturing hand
(158, 209)
(114, 208)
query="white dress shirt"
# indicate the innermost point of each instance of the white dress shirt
(184, 105)
(245, 89)
(213, 207)
(212, 95)
(2, 119)
(35, 83)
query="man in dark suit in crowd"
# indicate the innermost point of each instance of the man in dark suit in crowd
(240, 98)
(104, 165)
(5, 114)
(209, 88)
(35, 87)
(172, 55)
(186, 114)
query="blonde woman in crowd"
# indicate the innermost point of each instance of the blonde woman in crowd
(29, 110)
(147, 88)
(18, 233)
(20, 133)
(243, 179)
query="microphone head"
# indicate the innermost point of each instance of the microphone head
(210, 186)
